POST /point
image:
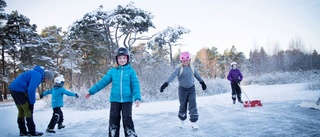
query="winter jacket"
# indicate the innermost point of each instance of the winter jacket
(28, 82)
(235, 75)
(57, 95)
(186, 78)
(125, 84)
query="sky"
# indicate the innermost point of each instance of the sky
(278, 116)
(246, 24)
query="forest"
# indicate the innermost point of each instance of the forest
(85, 52)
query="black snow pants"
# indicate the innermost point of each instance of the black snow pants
(116, 111)
(187, 96)
(25, 112)
(57, 118)
(236, 91)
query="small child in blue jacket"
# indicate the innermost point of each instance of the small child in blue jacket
(124, 91)
(57, 102)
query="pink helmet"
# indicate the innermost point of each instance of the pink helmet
(184, 56)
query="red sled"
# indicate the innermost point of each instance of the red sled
(252, 103)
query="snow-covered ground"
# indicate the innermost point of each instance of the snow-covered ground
(279, 116)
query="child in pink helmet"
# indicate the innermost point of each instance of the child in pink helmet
(187, 95)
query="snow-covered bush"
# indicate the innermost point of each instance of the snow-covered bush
(281, 78)
(152, 77)
(314, 83)
(99, 100)
(214, 86)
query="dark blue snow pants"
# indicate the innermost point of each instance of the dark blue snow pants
(236, 91)
(57, 118)
(187, 97)
(116, 111)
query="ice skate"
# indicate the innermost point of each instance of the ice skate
(181, 123)
(240, 101)
(35, 134)
(23, 134)
(50, 130)
(60, 126)
(194, 126)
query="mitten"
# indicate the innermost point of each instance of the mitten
(164, 85)
(77, 96)
(41, 96)
(204, 86)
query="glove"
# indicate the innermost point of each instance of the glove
(41, 96)
(77, 96)
(164, 85)
(31, 107)
(238, 81)
(204, 86)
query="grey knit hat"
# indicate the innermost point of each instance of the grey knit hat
(49, 74)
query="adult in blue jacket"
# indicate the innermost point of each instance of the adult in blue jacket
(125, 89)
(23, 91)
(235, 77)
(57, 93)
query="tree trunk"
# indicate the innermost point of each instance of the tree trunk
(171, 54)
(5, 91)
(3, 68)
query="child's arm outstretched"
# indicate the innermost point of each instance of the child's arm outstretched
(47, 92)
(68, 93)
(105, 81)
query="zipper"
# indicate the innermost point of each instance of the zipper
(121, 84)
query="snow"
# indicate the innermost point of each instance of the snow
(279, 116)
(311, 105)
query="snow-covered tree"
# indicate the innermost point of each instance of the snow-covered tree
(129, 22)
(23, 39)
(209, 59)
(3, 77)
(168, 38)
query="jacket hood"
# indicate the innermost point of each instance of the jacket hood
(39, 69)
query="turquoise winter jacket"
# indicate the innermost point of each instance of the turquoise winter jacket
(125, 84)
(57, 95)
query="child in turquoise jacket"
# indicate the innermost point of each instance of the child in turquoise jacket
(57, 93)
(124, 91)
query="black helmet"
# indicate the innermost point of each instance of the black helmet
(123, 51)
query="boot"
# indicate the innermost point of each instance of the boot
(32, 127)
(22, 127)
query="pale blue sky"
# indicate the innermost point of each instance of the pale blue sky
(247, 24)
